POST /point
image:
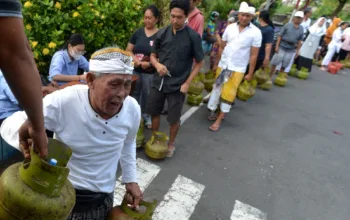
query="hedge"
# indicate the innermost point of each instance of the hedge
(49, 24)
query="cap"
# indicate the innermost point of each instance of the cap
(245, 8)
(299, 14)
(53, 162)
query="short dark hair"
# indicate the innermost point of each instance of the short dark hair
(181, 4)
(74, 40)
(307, 10)
(154, 10)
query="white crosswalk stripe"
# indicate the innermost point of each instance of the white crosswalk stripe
(243, 211)
(180, 201)
(146, 172)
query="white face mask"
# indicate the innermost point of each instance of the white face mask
(76, 56)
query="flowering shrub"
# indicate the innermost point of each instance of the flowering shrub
(49, 24)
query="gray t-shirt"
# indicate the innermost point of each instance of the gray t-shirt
(10, 8)
(290, 36)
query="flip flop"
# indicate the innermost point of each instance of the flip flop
(212, 116)
(218, 128)
(171, 152)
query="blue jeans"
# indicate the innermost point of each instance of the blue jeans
(142, 88)
(6, 150)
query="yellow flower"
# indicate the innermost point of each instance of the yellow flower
(46, 51)
(79, 7)
(90, 4)
(34, 43)
(58, 5)
(75, 14)
(138, 2)
(73, 31)
(28, 4)
(29, 27)
(52, 45)
(103, 17)
(97, 13)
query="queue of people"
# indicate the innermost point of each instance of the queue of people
(99, 118)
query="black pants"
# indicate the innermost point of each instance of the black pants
(259, 64)
(91, 206)
(342, 55)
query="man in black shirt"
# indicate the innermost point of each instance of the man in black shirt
(172, 55)
(21, 74)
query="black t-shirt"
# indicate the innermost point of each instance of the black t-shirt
(10, 8)
(267, 38)
(176, 52)
(142, 47)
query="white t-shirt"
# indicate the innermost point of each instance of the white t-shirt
(97, 144)
(236, 54)
(306, 25)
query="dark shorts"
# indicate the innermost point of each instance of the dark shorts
(156, 100)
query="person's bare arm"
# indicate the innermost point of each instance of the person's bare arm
(20, 71)
(130, 48)
(68, 78)
(254, 51)
(298, 48)
(267, 54)
(218, 56)
(278, 44)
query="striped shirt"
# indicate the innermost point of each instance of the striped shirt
(8, 102)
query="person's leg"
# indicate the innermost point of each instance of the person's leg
(228, 95)
(327, 59)
(175, 104)
(146, 86)
(342, 54)
(155, 104)
(291, 57)
(276, 61)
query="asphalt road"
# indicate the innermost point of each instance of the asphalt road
(285, 153)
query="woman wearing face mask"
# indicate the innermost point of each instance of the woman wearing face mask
(313, 43)
(65, 63)
(140, 45)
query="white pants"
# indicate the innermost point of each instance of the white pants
(330, 53)
(214, 100)
(278, 68)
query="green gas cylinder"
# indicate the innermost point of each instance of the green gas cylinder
(36, 189)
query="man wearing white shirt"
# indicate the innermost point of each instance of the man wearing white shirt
(306, 24)
(241, 44)
(99, 121)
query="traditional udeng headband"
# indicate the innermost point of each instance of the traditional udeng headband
(111, 60)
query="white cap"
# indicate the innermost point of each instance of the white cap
(245, 8)
(299, 14)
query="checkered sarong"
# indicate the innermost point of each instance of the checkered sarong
(100, 213)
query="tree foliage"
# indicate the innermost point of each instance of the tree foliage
(49, 24)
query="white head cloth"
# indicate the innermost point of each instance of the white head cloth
(245, 8)
(111, 60)
(315, 29)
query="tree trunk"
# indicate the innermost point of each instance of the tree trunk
(339, 8)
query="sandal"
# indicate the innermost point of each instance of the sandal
(214, 129)
(212, 116)
(171, 150)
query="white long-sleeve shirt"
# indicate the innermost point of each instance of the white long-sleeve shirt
(97, 144)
